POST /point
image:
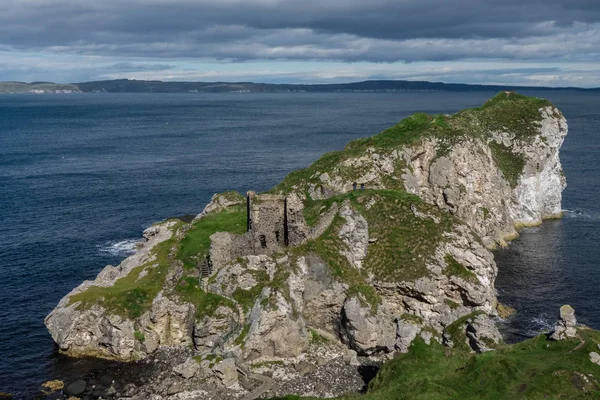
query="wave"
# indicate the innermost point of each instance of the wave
(582, 214)
(540, 324)
(123, 248)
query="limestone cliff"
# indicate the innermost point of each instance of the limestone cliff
(266, 277)
(496, 167)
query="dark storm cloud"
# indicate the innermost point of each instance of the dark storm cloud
(344, 30)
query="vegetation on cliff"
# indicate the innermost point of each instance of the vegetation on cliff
(358, 260)
(403, 243)
(507, 112)
(133, 294)
(537, 368)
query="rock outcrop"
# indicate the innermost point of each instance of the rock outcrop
(566, 326)
(316, 267)
(93, 331)
(496, 167)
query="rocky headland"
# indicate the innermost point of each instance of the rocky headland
(367, 253)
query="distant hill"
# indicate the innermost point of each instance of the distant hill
(136, 86)
(37, 87)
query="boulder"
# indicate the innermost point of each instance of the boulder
(275, 332)
(565, 327)
(315, 294)
(173, 322)
(226, 371)
(365, 332)
(211, 328)
(406, 332)
(350, 358)
(76, 388)
(175, 388)
(482, 333)
(188, 369)
(595, 357)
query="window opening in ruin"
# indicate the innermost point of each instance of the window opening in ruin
(286, 229)
(263, 241)
(249, 220)
(277, 236)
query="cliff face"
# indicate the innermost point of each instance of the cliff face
(496, 167)
(316, 264)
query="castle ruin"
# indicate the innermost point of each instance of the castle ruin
(273, 222)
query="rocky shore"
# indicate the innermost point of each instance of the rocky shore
(308, 288)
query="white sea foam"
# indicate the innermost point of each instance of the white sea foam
(120, 248)
(581, 214)
(540, 324)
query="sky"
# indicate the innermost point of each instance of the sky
(516, 42)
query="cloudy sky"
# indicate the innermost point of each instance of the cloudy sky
(529, 42)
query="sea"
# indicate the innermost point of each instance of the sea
(82, 175)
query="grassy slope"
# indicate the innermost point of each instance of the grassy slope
(196, 243)
(533, 369)
(512, 113)
(131, 296)
(404, 245)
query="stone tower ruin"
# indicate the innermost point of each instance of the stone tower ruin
(274, 221)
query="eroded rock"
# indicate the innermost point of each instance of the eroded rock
(365, 331)
(566, 325)
(483, 334)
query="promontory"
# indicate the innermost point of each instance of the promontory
(377, 251)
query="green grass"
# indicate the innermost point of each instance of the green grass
(326, 163)
(412, 318)
(328, 247)
(267, 364)
(132, 295)
(512, 113)
(241, 339)
(457, 331)
(533, 369)
(140, 337)
(405, 243)
(454, 268)
(407, 131)
(313, 209)
(196, 243)
(486, 212)
(316, 338)
(206, 303)
(452, 304)
(510, 163)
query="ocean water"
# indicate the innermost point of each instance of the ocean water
(81, 176)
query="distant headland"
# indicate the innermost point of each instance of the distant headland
(141, 86)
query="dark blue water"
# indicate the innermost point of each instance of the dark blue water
(82, 175)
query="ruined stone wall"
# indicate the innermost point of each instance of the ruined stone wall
(226, 246)
(274, 221)
(296, 226)
(267, 217)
